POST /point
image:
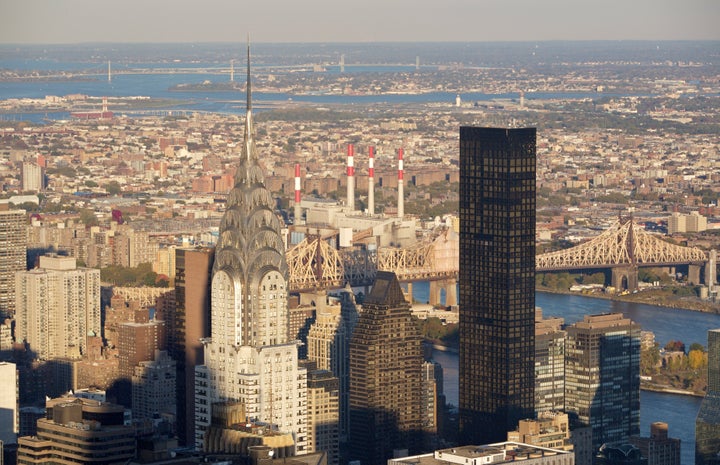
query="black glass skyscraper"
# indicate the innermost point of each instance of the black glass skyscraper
(497, 281)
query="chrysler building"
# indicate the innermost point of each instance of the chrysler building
(249, 358)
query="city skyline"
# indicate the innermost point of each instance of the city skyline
(82, 21)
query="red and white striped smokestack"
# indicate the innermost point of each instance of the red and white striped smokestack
(401, 194)
(350, 178)
(298, 210)
(371, 181)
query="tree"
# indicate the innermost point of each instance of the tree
(697, 359)
(113, 188)
(88, 218)
(675, 346)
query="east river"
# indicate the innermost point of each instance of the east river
(678, 411)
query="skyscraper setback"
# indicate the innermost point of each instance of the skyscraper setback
(250, 358)
(497, 281)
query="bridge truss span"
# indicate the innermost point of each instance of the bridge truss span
(624, 243)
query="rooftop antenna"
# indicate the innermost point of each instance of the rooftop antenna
(249, 142)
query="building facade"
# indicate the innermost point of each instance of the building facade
(386, 390)
(497, 281)
(9, 403)
(13, 243)
(57, 308)
(151, 383)
(323, 407)
(659, 448)
(79, 431)
(249, 357)
(188, 324)
(549, 364)
(602, 376)
(707, 422)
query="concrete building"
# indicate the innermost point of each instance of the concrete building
(151, 383)
(681, 223)
(707, 422)
(249, 357)
(79, 431)
(549, 364)
(9, 403)
(187, 325)
(497, 281)
(323, 417)
(497, 453)
(386, 392)
(550, 429)
(139, 341)
(57, 307)
(602, 376)
(328, 345)
(33, 177)
(13, 241)
(659, 448)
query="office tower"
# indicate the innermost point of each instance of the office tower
(658, 449)
(250, 357)
(187, 325)
(57, 307)
(9, 398)
(79, 431)
(323, 418)
(497, 281)
(153, 383)
(707, 422)
(138, 341)
(328, 346)
(13, 243)
(602, 376)
(549, 364)
(386, 391)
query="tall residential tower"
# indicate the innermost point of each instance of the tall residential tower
(497, 281)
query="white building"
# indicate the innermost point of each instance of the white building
(9, 419)
(249, 357)
(57, 307)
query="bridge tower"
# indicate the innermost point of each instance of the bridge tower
(447, 285)
(625, 277)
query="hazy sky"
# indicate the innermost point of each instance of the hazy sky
(75, 21)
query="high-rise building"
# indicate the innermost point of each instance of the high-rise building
(187, 325)
(250, 357)
(9, 403)
(151, 383)
(57, 307)
(33, 177)
(497, 281)
(707, 422)
(138, 341)
(659, 448)
(602, 376)
(13, 244)
(323, 407)
(328, 346)
(549, 364)
(79, 431)
(386, 389)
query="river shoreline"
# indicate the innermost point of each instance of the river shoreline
(695, 305)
